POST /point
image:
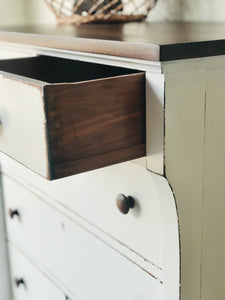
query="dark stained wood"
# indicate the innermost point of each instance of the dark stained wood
(95, 123)
(19, 282)
(124, 203)
(98, 161)
(13, 213)
(58, 70)
(95, 114)
(148, 41)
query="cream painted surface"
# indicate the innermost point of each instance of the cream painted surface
(213, 235)
(23, 234)
(73, 256)
(22, 130)
(37, 285)
(171, 241)
(140, 229)
(67, 196)
(193, 133)
(195, 168)
(5, 287)
(7, 53)
(155, 122)
(184, 146)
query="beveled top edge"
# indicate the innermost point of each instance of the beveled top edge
(145, 41)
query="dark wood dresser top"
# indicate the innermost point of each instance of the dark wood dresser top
(146, 41)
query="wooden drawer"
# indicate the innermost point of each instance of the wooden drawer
(61, 117)
(28, 283)
(80, 261)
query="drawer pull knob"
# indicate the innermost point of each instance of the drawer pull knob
(19, 281)
(13, 213)
(124, 203)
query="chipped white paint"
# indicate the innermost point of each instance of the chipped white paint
(194, 165)
(170, 236)
(22, 131)
(184, 144)
(103, 213)
(194, 153)
(72, 255)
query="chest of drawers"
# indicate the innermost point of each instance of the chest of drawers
(112, 116)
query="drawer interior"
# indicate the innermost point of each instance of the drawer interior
(57, 70)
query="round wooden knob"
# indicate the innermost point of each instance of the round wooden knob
(19, 281)
(124, 203)
(13, 213)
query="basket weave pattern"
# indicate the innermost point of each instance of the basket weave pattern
(84, 11)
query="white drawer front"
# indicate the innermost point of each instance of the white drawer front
(92, 195)
(36, 285)
(22, 132)
(81, 262)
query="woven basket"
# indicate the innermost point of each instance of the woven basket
(84, 11)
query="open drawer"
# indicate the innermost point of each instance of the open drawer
(61, 117)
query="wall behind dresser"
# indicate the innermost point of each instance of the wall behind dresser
(25, 11)
(188, 10)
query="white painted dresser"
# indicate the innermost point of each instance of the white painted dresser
(66, 238)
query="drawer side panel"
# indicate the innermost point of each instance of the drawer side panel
(99, 118)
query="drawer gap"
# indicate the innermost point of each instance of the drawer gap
(58, 70)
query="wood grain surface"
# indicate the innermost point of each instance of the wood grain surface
(95, 123)
(149, 41)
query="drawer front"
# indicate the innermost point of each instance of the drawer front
(22, 129)
(28, 283)
(92, 196)
(83, 263)
(61, 117)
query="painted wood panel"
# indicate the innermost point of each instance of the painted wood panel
(213, 234)
(76, 258)
(5, 287)
(194, 160)
(36, 284)
(92, 196)
(155, 87)
(150, 229)
(22, 130)
(184, 165)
